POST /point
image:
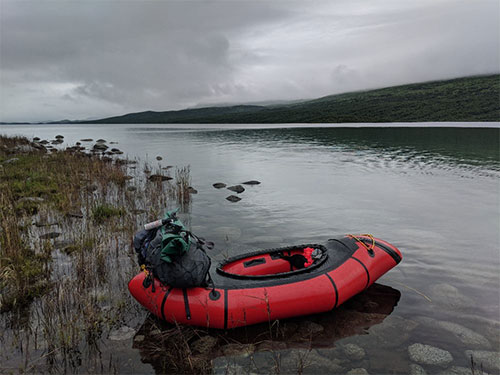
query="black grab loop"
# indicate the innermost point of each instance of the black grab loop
(186, 304)
(146, 283)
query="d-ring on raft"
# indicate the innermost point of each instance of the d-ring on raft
(263, 285)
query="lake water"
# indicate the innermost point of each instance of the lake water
(433, 191)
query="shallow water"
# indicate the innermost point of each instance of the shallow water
(431, 191)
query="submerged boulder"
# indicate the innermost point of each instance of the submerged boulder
(465, 335)
(429, 355)
(448, 295)
(237, 189)
(417, 369)
(353, 352)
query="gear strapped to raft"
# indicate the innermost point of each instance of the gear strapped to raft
(166, 250)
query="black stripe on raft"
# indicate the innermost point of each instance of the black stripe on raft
(366, 270)
(391, 252)
(336, 291)
(163, 302)
(225, 308)
(186, 304)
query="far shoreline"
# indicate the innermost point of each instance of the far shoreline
(222, 126)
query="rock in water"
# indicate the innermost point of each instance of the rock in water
(251, 182)
(100, 147)
(463, 334)
(31, 199)
(237, 188)
(233, 198)
(448, 295)
(50, 235)
(219, 185)
(417, 370)
(307, 328)
(353, 352)
(429, 355)
(192, 190)
(159, 178)
(122, 333)
(393, 332)
(310, 360)
(43, 223)
(76, 214)
(456, 370)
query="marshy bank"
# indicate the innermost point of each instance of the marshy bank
(66, 222)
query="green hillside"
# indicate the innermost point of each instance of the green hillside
(462, 99)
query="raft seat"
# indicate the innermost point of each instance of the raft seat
(269, 264)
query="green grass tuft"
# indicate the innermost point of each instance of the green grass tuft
(104, 212)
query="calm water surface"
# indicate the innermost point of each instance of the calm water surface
(432, 192)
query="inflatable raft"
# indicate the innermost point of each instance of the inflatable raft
(266, 285)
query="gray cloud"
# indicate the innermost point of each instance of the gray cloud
(80, 59)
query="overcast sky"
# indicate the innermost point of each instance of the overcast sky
(88, 59)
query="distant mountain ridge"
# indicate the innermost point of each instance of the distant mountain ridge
(465, 99)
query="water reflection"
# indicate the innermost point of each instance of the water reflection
(459, 145)
(162, 345)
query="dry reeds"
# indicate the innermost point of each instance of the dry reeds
(71, 284)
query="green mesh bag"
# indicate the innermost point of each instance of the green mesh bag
(175, 239)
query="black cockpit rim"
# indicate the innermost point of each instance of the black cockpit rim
(316, 264)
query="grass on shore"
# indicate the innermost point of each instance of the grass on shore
(66, 222)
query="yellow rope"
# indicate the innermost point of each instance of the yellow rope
(372, 246)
